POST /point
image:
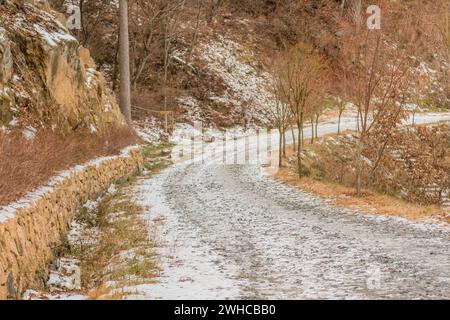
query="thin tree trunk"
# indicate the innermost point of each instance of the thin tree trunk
(300, 145)
(293, 138)
(280, 149)
(299, 151)
(339, 123)
(381, 152)
(312, 130)
(377, 162)
(302, 134)
(143, 61)
(115, 81)
(357, 121)
(124, 54)
(358, 167)
(195, 37)
(317, 126)
(166, 67)
(342, 7)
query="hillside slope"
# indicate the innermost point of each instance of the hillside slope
(210, 62)
(56, 110)
(47, 79)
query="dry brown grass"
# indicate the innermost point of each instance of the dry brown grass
(122, 230)
(370, 202)
(28, 164)
(346, 197)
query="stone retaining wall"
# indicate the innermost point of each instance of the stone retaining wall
(31, 228)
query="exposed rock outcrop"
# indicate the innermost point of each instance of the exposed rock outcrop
(46, 76)
(48, 80)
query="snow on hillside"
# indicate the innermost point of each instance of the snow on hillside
(246, 87)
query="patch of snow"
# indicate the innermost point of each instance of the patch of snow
(92, 129)
(247, 86)
(29, 132)
(149, 130)
(14, 122)
(107, 107)
(4, 90)
(228, 232)
(53, 39)
(3, 38)
(190, 268)
(8, 212)
(192, 107)
(112, 189)
(91, 205)
(75, 232)
(90, 75)
(67, 276)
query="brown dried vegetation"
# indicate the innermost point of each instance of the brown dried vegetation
(414, 165)
(28, 164)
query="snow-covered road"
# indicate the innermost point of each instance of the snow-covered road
(228, 231)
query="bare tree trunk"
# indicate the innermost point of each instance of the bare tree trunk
(342, 6)
(196, 31)
(302, 134)
(280, 149)
(143, 61)
(125, 89)
(299, 152)
(377, 161)
(293, 138)
(300, 145)
(317, 126)
(339, 122)
(312, 129)
(116, 72)
(357, 7)
(358, 167)
(357, 121)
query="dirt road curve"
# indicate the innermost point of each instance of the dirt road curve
(229, 231)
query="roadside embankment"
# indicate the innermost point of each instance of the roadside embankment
(32, 227)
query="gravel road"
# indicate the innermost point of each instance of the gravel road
(229, 231)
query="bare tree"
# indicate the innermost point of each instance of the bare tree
(339, 90)
(161, 19)
(301, 74)
(214, 6)
(317, 106)
(170, 24)
(153, 12)
(124, 54)
(341, 105)
(196, 31)
(380, 81)
(279, 112)
(318, 112)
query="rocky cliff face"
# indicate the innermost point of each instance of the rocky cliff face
(46, 78)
